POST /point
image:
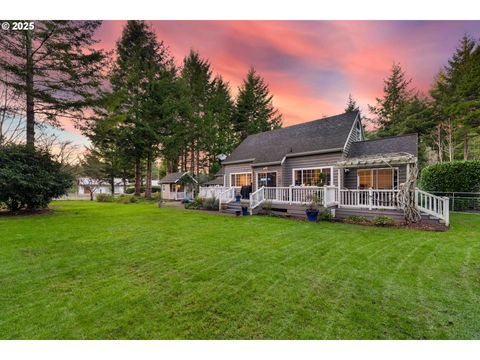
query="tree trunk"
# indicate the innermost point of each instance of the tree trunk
(465, 146)
(138, 181)
(197, 170)
(451, 146)
(192, 158)
(148, 185)
(112, 185)
(439, 143)
(29, 91)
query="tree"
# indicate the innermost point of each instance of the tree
(351, 105)
(196, 75)
(12, 125)
(254, 110)
(388, 109)
(140, 61)
(93, 169)
(30, 178)
(54, 68)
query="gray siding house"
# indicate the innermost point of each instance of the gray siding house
(308, 154)
(328, 159)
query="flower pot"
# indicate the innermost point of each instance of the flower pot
(237, 212)
(238, 197)
(312, 215)
(245, 211)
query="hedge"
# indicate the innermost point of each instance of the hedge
(458, 176)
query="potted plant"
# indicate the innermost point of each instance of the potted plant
(245, 205)
(312, 209)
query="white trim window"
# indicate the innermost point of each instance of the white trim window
(312, 176)
(267, 179)
(240, 179)
(377, 178)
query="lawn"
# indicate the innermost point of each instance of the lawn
(113, 271)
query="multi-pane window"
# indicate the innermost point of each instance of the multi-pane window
(377, 178)
(268, 179)
(312, 177)
(241, 179)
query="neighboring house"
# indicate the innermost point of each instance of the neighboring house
(219, 179)
(328, 157)
(178, 186)
(88, 185)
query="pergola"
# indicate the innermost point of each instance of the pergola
(378, 159)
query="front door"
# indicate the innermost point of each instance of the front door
(267, 179)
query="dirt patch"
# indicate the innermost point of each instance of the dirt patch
(25, 212)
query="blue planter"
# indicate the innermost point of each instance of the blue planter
(238, 197)
(245, 211)
(312, 215)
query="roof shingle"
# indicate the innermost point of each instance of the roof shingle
(319, 135)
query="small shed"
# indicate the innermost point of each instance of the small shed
(178, 186)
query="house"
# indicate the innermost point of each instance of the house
(87, 185)
(328, 158)
(218, 180)
(177, 186)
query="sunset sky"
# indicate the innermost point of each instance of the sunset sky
(311, 66)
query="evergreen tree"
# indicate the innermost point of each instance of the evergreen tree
(351, 105)
(196, 74)
(140, 61)
(254, 110)
(389, 108)
(54, 68)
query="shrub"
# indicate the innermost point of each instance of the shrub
(210, 204)
(104, 198)
(126, 199)
(357, 219)
(30, 178)
(196, 203)
(325, 215)
(156, 189)
(131, 190)
(452, 176)
(383, 221)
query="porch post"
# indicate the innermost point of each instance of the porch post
(290, 194)
(339, 179)
(176, 192)
(370, 198)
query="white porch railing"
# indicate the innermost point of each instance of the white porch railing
(368, 199)
(433, 205)
(211, 191)
(226, 196)
(295, 194)
(256, 198)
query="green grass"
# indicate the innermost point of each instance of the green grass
(112, 271)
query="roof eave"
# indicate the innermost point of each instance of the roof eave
(237, 161)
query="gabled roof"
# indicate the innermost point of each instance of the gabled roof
(394, 144)
(323, 135)
(172, 178)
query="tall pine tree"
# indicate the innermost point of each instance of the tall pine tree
(388, 110)
(254, 110)
(54, 68)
